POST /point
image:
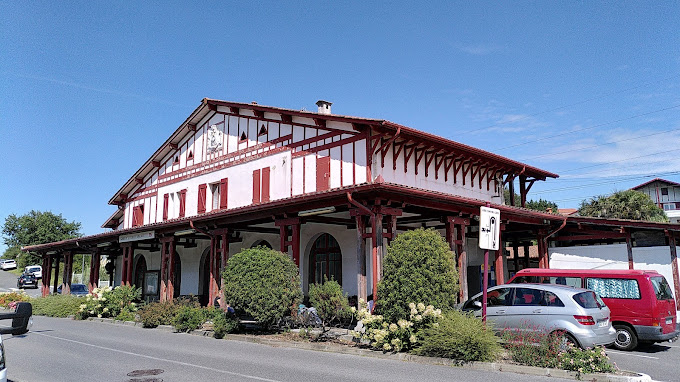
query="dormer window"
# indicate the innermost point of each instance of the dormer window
(243, 137)
(190, 156)
(176, 160)
(263, 131)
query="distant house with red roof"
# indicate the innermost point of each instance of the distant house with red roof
(665, 194)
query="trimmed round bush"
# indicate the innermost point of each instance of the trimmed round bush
(459, 336)
(329, 301)
(418, 267)
(263, 283)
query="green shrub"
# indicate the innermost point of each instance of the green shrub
(57, 305)
(459, 336)
(223, 323)
(329, 301)
(158, 313)
(585, 361)
(263, 283)
(530, 345)
(419, 266)
(188, 319)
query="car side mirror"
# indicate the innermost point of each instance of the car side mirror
(21, 319)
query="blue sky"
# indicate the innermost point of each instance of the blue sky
(89, 90)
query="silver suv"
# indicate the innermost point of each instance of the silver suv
(580, 313)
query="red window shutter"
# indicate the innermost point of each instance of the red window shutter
(137, 216)
(166, 202)
(256, 186)
(224, 187)
(201, 198)
(323, 173)
(265, 184)
(182, 202)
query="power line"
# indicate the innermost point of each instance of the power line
(605, 95)
(587, 128)
(601, 144)
(623, 160)
(586, 185)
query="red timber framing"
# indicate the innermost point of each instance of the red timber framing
(376, 215)
(167, 268)
(672, 242)
(47, 274)
(455, 236)
(128, 257)
(289, 231)
(95, 264)
(68, 271)
(219, 255)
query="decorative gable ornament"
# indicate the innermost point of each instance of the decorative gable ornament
(214, 139)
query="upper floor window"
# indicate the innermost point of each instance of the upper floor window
(664, 191)
(138, 215)
(215, 192)
(668, 206)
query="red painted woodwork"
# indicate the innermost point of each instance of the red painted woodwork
(182, 203)
(201, 197)
(323, 173)
(256, 186)
(224, 190)
(138, 215)
(166, 203)
(265, 184)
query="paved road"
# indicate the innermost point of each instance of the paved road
(660, 361)
(8, 283)
(67, 350)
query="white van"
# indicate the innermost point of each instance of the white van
(36, 270)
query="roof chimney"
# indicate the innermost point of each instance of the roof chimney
(324, 106)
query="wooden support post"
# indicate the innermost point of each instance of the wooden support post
(95, 264)
(511, 188)
(523, 190)
(219, 254)
(527, 257)
(57, 259)
(47, 275)
(376, 252)
(165, 249)
(361, 257)
(499, 268)
(542, 251)
(290, 226)
(170, 290)
(629, 246)
(674, 267)
(126, 272)
(515, 257)
(68, 266)
(455, 236)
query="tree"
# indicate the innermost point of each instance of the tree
(419, 268)
(539, 205)
(627, 204)
(35, 227)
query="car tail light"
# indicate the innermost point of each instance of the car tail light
(585, 320)
(655, 322)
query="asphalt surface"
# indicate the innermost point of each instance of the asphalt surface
(8, 283)
(68, 350)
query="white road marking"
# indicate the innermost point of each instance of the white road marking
(631, 354)
(158, 359)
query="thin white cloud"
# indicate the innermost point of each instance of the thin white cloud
(480, 49)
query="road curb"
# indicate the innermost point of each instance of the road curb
(343, 349)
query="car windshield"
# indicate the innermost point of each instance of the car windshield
(33, 269)
(587, 300)
(78, 288)
(661, 288)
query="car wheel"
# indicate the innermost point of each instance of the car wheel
(566, 340)
(625, 338)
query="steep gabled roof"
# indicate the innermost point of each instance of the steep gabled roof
(656, 180)
(208, 106)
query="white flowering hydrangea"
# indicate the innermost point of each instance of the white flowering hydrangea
(399, 336)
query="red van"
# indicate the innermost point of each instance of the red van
(641, 303)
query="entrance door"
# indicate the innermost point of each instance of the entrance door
(325, 260)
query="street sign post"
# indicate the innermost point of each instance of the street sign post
(489, 238)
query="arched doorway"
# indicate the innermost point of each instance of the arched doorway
(204, 278)
(325, 259)
(261, 243)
